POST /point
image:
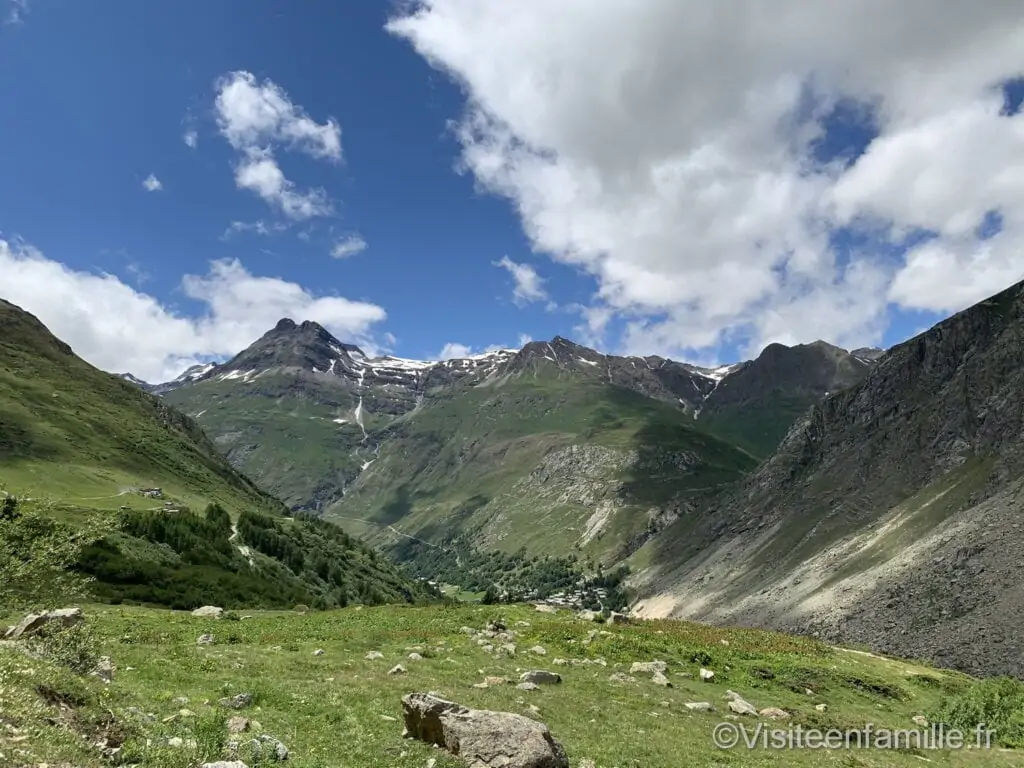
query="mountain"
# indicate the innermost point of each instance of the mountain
(555, 447)
(889, 515)
(83, 450)
(757, 402)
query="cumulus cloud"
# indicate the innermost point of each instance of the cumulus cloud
(349, 245)
(152, 184)
(528, 285)
(118, 328)
(256, 118)
(191, 138)
(673, 150)
(453, 350)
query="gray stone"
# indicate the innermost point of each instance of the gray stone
(647, 667)
(540, 677)
(238, 701)
(481, 738)
(205, 639)
(38, 623)
(208, 612)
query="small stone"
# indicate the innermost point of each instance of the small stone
(398, 669)
(238, 701)
(205, 639)
(539, 650)
(415, 657)
(104, 669)
(621, 677)
(373, 656)
(774, 713)
(318, 652)
(492, 680)
(920, 720)
(528, 686)
(176, 742)
(699, 706)
(238, 725)
(659, 679)
(540, 677)
(180, 701)
(647, 667)
(208, 612)
(821, 707)
(707, 675)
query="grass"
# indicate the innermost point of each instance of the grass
(463, 463)
(71, 433)
(339, 709)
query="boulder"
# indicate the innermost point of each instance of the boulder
(208, 612)
(648, 667)
(540, 677)
(481, 738)
(39, 623)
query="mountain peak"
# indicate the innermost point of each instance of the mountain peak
(285, 324)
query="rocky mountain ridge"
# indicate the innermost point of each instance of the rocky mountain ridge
(890, 514)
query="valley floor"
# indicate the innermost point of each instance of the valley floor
(337, 708)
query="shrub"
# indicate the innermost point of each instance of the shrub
(997, 705)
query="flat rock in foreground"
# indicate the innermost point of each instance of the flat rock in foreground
(481, 738)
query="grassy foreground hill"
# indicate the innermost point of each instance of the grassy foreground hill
(314, 691)
(80, 448)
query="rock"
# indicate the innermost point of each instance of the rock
(467, 630)
(508, 648)
(225, 764)
(496, 680)
(774, 713)
(270, 747)
(497, 625)
(527, 686)
(647, 667)
(104, 669)
(373, 656)
(205, 639)
(618, 618)
(659, 679)
(920, 720)
(209, 612)
(622, 677)
(180, 701)
(587, 763)
(238, 724)
(699, 706)
(176, 742)
(821, 707)
(415, 657)
(482, 738)
(36, 623)
(238, 701)
(706, 675)
(398, 669)
(540, 650)
(318, 652)
(588, 616)
(540, 677)
(545, 608)
(739, 705)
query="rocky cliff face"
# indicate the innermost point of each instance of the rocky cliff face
(889, 514)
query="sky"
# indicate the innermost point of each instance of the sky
(439, 177)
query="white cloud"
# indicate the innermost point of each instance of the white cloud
(152, 184)
(118, 328)
(528, 284)
(259, 227)
(16, 12)
(257, 117)
(191, 138)
(453, 350)
(666, 147)
(349, 245)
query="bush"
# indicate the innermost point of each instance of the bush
(74, 647)
(997, 705)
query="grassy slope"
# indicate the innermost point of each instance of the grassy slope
(462, 464)
(338, 709)
(80, 437)
(284, 435)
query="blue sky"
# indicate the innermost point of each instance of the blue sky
(99, 99)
